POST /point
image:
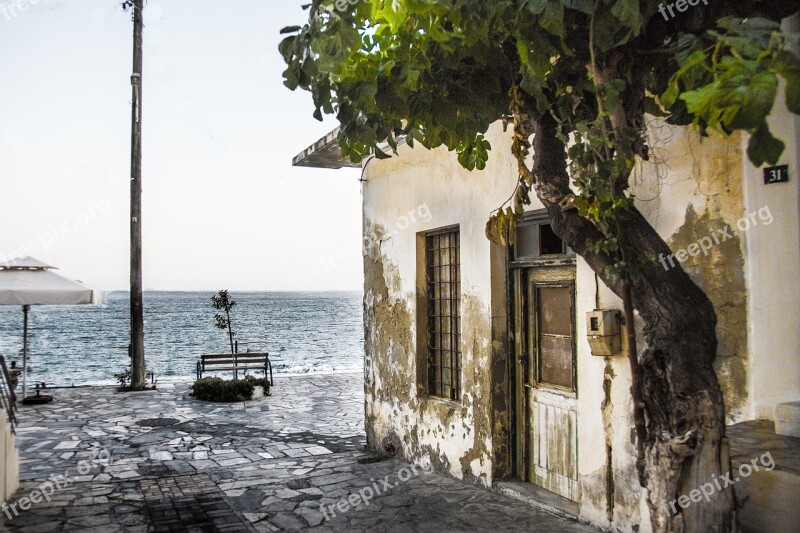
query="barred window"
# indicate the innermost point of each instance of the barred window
(443, 286)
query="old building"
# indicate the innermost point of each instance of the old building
(477, 357)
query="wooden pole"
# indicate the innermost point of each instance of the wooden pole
(137, 305)
(25, 310)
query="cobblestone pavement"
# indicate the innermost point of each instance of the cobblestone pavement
(162, 461)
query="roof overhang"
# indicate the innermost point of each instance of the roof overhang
(323, 154)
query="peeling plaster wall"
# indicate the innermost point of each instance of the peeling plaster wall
(695, 196)
(456, 438)
(610, 498)
(696, 189)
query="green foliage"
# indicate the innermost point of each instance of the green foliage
(259, 382)
(440, 72)
(729, 81)
(213, 389)
(124, 377)
(223, 302)
(475, 154)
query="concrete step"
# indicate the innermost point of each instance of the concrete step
(539, 497)
(787, 419)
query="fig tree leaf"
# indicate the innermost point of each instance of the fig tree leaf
(763, 147)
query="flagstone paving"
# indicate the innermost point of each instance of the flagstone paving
(162, 461)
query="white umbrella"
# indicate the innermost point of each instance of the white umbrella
(28, 281)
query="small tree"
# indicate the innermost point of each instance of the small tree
(223, 302)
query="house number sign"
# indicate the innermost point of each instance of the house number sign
(777, 174)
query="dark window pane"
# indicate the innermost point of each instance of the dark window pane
(537, 238)
(550, 242)
(527, 240)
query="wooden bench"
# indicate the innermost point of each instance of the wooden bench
(234, 361)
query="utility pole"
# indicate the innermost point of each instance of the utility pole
(137, 304)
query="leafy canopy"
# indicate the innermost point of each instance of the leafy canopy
(439, 72)
(222, 301)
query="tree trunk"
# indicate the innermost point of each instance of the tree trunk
(685, 447)
(230, 329)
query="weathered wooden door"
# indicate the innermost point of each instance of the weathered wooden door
(545, 333)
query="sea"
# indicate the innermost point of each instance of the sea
(304, 333)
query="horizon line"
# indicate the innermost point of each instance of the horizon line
(236, 290)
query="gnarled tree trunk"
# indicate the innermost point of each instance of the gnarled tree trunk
(685, 446)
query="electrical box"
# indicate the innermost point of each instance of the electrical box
(602, 329)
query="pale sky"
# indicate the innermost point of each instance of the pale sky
(223, 207)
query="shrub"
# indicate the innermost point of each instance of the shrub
(123, 377)
(220, 390)
(259, 382)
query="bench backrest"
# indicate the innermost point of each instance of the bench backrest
(234, 359)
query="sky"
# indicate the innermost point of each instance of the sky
(223, 208)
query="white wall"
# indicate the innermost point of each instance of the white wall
(773, 273)
(419, 191)
(9, 460)
(433, 178)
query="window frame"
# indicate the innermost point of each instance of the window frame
(535, 334)
(429, 257)
(539, 218)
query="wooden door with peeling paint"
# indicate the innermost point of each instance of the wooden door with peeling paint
(544, 332)
(553, 428)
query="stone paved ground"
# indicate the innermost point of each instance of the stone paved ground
(163, 461)
(765, 493)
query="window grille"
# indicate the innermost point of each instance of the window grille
(443, 280)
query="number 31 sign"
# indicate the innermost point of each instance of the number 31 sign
(776, 174)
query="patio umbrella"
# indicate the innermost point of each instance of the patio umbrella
(28, 281)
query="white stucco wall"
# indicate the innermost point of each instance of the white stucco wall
(419, 191)
(9, 460)
(773, 272)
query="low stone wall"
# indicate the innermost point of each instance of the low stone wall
(9, 460)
